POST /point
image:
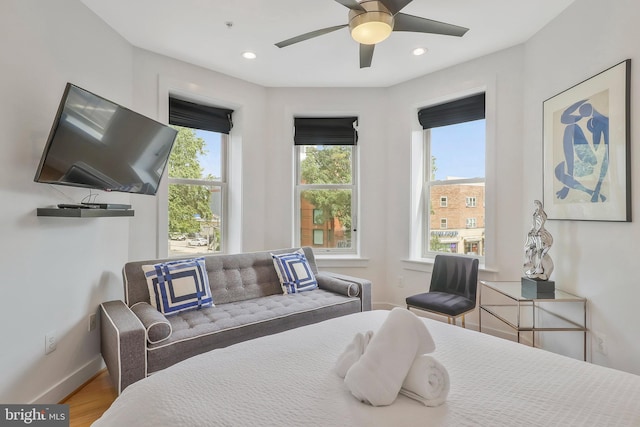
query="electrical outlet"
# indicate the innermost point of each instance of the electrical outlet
(92, 322)
(50, 342)
(600, 343)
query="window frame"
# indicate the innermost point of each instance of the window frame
(471, 202)
(299, 188)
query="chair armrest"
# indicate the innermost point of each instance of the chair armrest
(364, 286)
(122, 344)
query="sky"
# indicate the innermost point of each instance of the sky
(210, 162)
(459, 150)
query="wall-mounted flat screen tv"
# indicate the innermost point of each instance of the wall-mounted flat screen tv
(98, 144)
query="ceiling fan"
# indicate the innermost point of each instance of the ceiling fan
(371, 22)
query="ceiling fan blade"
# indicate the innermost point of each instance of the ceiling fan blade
(351, 4)
(404, 22)
(366, 55)
(308, 36)
(395, 6)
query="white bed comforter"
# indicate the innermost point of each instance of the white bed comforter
(287, 380)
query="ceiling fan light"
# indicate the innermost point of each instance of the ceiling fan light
(371, 32)
(372, 26)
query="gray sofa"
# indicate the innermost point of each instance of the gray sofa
(137, 340)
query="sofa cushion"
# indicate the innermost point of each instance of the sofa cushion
(156, 325)
(294, 272)
(177, 286)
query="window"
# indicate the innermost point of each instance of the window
(197, 178)
(318, 217)
(326, 191)
(443, 202)
(454, 169)
(471, 202)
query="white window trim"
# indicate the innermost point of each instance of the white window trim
(299, 188)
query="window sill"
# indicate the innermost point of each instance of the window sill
(338, 261)
(425, 265)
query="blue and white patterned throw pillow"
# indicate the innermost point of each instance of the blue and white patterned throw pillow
(177, 286)
(294, 272)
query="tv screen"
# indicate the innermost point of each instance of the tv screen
(96, 143)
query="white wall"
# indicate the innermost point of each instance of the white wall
(596, 260)
(55, 271)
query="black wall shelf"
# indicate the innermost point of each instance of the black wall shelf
(83, 213)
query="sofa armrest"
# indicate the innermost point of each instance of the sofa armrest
(122, 344)
(156, 325)
(339, 286)
(364, 286)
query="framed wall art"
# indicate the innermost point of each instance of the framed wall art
(586, 149)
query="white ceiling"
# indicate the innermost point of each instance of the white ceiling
(196, 31)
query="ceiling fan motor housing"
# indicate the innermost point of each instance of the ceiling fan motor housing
(371, 25)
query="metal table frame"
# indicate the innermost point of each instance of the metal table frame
(513, 292)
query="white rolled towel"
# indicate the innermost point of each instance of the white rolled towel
(376, 378)
(427, 381)
(352, 353)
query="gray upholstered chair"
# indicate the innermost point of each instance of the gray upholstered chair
(452, 293)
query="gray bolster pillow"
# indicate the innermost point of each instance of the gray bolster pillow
(338, 286)
(157, 326)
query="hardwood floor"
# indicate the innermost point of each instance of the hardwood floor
(89, 402)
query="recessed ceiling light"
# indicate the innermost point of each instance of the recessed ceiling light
(249, 55)
(419, 51)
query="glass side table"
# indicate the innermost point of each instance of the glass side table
(532, 314)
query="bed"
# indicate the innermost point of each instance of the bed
(287, 380)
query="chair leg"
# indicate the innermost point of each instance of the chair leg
(463, 322)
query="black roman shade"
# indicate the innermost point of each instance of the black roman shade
(458, 111)
(325, 131)
(197, 116)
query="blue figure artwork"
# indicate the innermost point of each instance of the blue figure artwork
(582, 156)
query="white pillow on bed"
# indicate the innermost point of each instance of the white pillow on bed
(294, 272)
(177, 286)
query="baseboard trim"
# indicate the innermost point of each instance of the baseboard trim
(71, 383)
